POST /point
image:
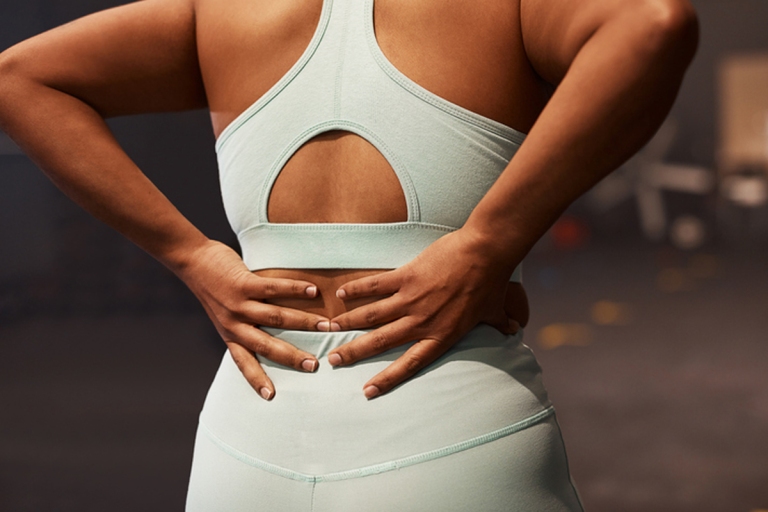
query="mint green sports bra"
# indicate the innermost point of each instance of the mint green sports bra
(445, 157)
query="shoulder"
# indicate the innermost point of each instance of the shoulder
(555, 30)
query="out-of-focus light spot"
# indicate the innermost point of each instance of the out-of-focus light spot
(569, 233)
(687, 232)
(703, 266)
(671, 280)
(605, 312)
(759, 510)
(749, 191)
(558, 335)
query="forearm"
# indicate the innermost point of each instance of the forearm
(73, 145)
(617, 91)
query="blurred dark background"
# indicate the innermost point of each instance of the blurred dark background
(649, 299)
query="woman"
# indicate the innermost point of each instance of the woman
(356, 137)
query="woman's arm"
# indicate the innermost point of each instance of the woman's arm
(56, 89)
(618, 65)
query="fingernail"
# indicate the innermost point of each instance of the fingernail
(265, 393)
(334, 359)
(324, 325)
(371, 392)
(311, 291)
(309, 365)
(341, 294)
(335, 327)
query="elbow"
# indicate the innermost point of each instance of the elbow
(10, 65)
(670, 29)
(11, 77)
(19, 86)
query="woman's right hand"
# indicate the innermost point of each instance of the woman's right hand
(233, 298)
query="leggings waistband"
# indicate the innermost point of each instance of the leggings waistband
(487, 385)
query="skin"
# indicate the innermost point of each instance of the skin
(572, 74)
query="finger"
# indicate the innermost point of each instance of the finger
(268, 315)
(257, 287)
(380, 284)
(415, 359)
(373, 343)
(516, 303)
(276, 349)
(371, 315)
(252, 371)
(502, 323)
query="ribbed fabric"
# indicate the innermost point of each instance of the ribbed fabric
(445, 157)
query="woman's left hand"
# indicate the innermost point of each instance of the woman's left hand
(435, 299)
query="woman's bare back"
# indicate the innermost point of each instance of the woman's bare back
(467, 52)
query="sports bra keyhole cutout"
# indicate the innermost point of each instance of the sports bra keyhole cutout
(346, 163)
(337, 177)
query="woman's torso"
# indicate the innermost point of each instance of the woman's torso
(468, 52)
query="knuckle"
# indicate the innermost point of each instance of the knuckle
(275, 319)
(237, 311)
(270, 289)
(427, 320)
(240, 282)
(380, 342)
(413, 364)
(373, 285)
(409, 299)
(371, 316)
(227, 334)
(227, 308)
(261, 347)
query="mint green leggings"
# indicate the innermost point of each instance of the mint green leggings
(473, 432)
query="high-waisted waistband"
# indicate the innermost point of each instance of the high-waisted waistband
(487, 386)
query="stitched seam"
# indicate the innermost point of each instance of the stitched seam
(281, 84)
(403, 226)
(433, 99)
(384, 466)
(253, 461)
(312, 498)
